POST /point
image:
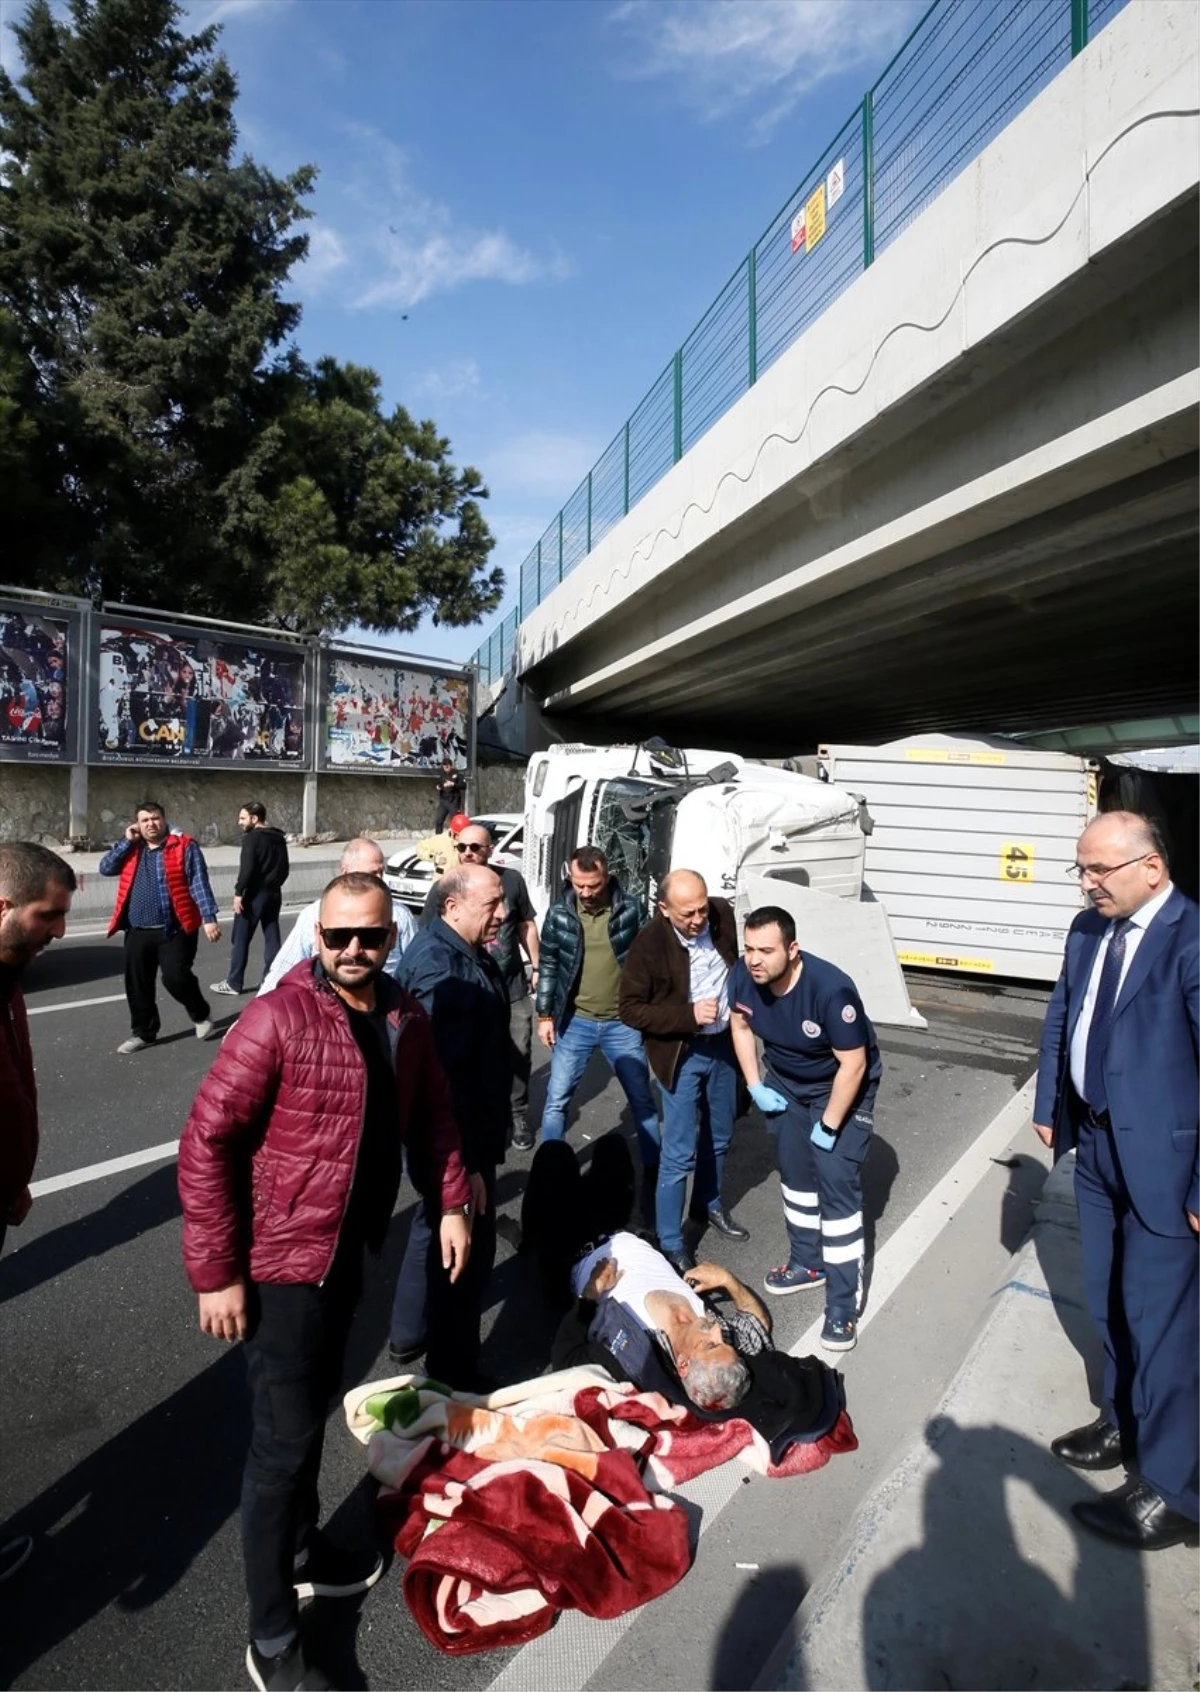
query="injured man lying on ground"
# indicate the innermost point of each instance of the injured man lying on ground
(703, 1342)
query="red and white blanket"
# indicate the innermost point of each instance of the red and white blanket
(534, 1500)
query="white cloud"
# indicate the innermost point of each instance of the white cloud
(539, 463)
(201, 13)
(461, 379)
(417, 246)
(326, 256)
(758, 57)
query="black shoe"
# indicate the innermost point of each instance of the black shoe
(724, 1223)
(402, 1354)
(1137, 1516)
(290, 1671)
(330, 1571)
(680, 1261)
(522, 1136)
(1098, 1446)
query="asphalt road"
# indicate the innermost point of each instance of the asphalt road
(124, 1428)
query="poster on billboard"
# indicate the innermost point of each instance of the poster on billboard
(391, 716)
(169, 694)
(37, 678)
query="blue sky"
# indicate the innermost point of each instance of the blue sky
(549, 191)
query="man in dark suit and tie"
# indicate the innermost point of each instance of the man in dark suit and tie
(1117, 1077)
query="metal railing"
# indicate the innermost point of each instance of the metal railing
(965, 71)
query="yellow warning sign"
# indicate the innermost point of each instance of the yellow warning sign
(814, 218)
(942, 755)
(1016, 860)
(944, 960)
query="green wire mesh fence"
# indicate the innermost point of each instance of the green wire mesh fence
(966, 70)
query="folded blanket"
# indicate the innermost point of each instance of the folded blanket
(529, 1501)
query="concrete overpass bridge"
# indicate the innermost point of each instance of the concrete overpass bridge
(964, 495)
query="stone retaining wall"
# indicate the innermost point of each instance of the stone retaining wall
(34, 801)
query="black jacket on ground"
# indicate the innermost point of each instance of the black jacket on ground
(264, 863)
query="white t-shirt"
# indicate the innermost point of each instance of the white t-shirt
(643, 1271)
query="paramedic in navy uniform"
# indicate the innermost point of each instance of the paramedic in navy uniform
(822, 1074)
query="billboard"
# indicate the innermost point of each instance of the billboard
(388, 716)
(38, 682)
(171, 695)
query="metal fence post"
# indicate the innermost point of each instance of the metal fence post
(752, 306)
(1079, 27)
(678, 406)
(625, 502)
(589, 523)
(560, 547)
(868, 160)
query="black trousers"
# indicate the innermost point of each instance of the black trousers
(444, 809)
(146, 953)
(426, 1304)
(295, 1346)
(263, 909)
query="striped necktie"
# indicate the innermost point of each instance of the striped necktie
(1102, 1014)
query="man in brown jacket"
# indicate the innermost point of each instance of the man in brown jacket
(673, 991)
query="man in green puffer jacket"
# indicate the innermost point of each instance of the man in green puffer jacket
(585, 938)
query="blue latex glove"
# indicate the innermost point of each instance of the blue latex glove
(821, 1136)
(767, 1099)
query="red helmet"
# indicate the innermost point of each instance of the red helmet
(458, 821)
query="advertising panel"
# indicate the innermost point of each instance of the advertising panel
(38, 678)
(169, 694)
(389, 716)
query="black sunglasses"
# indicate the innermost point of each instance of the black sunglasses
(370, 939)
(471, 846)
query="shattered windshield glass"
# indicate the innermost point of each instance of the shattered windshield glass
(625, 839)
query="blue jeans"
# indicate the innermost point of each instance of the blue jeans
(625, 1056)
(698, 1116)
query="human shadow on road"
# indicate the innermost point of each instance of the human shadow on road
(879, 1172)
(127, 1523)
(762, 1610)
(74, 966)
(1026, 1178)
(130, 1213)
(1004, 1590)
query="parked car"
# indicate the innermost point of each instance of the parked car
(411, 877)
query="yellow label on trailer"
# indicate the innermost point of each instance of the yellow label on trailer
(942, 755)
(1016, 860)
(943, 960)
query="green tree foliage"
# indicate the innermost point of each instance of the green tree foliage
(161, 440)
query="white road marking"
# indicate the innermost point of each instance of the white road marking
(97, 1171)
(567, 1657)
(75, 1004)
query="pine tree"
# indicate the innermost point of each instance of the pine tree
(180, 453)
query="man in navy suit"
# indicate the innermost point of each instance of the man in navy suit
(1117, 1077)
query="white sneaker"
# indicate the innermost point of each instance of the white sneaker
(203, 1029)
(135, 1043)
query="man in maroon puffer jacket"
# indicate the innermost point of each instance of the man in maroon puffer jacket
(288, 1166)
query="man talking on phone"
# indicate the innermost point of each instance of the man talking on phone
(163, 900)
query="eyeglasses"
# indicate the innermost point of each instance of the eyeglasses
(1098, 872)
(370, 939)
(470, 846)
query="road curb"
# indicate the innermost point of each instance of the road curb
(964, 1567)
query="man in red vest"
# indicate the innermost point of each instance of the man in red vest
(163, 900)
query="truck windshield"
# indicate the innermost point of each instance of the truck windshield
(625, 840)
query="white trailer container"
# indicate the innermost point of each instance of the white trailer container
(971, 847)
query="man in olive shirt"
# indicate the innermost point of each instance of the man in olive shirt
(587, 932)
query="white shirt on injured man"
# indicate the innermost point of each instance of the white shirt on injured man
(643, 1271)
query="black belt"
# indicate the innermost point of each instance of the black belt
(1097, 1118)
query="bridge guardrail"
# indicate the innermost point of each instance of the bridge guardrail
(967, 68)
